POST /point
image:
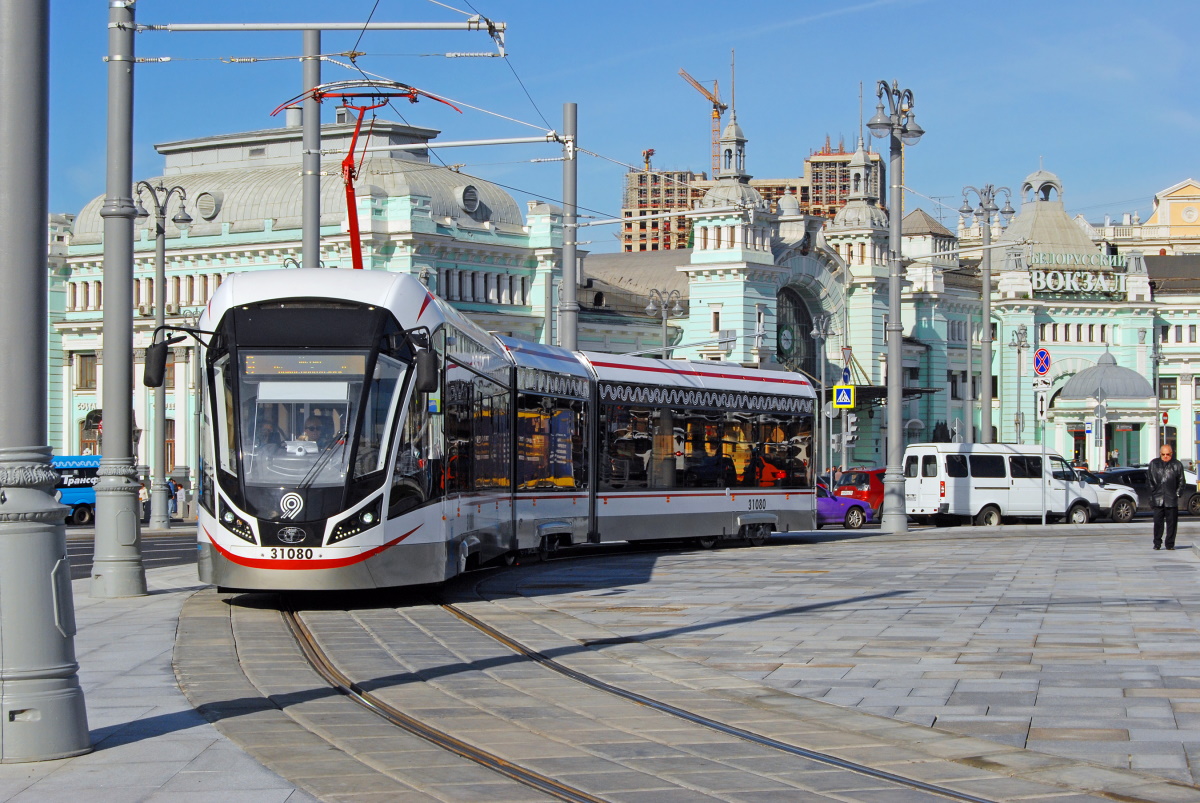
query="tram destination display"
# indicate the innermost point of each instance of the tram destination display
(305, 364)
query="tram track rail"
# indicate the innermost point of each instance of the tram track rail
(325, 667)
(706, 722)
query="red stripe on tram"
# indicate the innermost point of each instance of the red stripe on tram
(315, 563)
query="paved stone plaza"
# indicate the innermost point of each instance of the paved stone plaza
(1076, 641)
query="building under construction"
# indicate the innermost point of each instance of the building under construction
(821, 191)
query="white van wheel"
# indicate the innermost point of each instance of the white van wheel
(1078, 514)
(989, 517)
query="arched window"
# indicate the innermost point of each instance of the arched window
(728, 158)
(795, 347)
(857, 181)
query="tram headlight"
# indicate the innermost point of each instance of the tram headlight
(235, 523)
(357, 522)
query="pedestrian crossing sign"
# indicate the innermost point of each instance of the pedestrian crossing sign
(843, 397)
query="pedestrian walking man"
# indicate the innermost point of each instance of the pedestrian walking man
(1166, 481)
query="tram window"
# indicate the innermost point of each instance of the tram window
(382, 397)
(224, 430)
(663, 448)
(419, 458)
(478, 430)
(956, 465)
(550, 434)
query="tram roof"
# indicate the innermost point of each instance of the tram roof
(542, 357)
(696, 374)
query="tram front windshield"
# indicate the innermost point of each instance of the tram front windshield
(310, 424)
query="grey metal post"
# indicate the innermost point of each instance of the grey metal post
(969, 403)
(42, 713)
(117, 569)
(897, 123)
(310, 190)
(985, 338)
(160, 495)
(895, 516)
(568, 305)
(159, 516)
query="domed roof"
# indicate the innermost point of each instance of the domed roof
(789, 204)
(1106, 380)
(860, 215)
(242, 199)
(732, 129)
(732, 193)
(1039, 178)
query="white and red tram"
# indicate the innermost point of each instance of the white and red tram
(358, 432)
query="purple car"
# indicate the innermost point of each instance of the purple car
(851, 513)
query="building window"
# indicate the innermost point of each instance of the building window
(995, 386)
(169, 376)
(716, 321)
(1165, 334)
(85, 371)
(952, 378)
(1091, 333)
(1054, 332)
(1168, 388)
(1192, 333)
(1178, 334)
(1103, 333)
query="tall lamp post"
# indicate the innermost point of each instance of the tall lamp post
(666, 303)
(983, 213)
(898, 123)
(1020, 342)
(160, 198)
(820, 333)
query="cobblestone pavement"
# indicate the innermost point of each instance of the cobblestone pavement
(1078, 641)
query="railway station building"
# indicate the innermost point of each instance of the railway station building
(763, 270)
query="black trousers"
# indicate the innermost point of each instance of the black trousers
(1168, 515)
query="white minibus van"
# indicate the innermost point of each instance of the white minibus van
(987, 482)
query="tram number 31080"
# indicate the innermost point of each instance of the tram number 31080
(291, 553)
(757, 504)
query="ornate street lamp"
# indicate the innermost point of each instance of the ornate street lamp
(983, 213)
(898, 122)
(666, 303)
(1020, 342)
(160, 197)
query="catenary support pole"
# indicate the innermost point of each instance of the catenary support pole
(310, 190)
(117, 569)
(568, 305)
(42, 713)
(985, 336)
(895, 515)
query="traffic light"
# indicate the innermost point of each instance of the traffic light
(851, 433)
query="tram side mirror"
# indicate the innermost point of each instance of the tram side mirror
(427, 371)
(156, 362)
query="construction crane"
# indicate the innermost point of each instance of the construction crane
(718, 108)
(646, 154)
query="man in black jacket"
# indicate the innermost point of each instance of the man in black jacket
(1166, 481)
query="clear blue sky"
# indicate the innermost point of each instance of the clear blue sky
(1105, 91)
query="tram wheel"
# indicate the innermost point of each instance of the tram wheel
(706, 542)
(758, 534)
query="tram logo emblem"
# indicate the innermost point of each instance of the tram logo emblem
(291, 535)
(291, 504)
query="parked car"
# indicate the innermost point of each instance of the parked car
(849, 512)
(1135, 477)
(1118, 502)
(864, 484)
